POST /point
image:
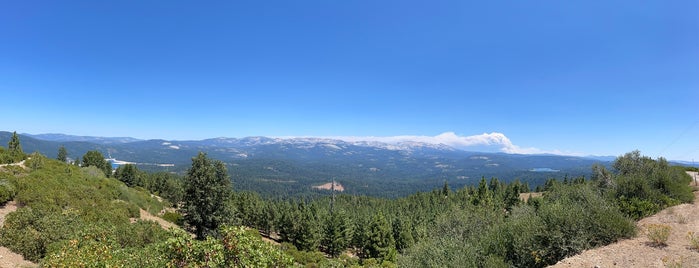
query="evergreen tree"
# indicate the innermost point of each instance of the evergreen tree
(484, 196)
(308, 232)
(445, 189)
(96, 159)
(128, 174)
(337, 233)
(402, 234)
(380, 244)
(206, 192)
(62, 154)
(15, 147)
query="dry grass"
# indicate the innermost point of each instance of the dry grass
(658, 234)
(525, 196)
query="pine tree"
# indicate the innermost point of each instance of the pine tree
(207, 188)
(380, 244)
(337, 233)
(15, 147)
(128, 174)
(402, 234)
(308, 231)
(445, 189)
(62, 154)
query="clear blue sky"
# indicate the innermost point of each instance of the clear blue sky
(593, 77)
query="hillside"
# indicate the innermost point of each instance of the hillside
(291, 167)
(637, 251)
(61, 215)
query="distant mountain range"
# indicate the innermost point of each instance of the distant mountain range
(68, 138)
(291, 166)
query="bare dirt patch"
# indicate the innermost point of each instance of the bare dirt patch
(150, 217)
(637, 252)
(695, 179)
(525, 196)
(8, 258)
(328, 186)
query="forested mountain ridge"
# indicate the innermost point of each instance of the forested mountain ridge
(291, 166)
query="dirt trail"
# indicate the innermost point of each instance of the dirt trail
(145, 215)
(636, 252)
(9, 259)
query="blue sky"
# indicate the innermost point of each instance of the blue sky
(593, 77)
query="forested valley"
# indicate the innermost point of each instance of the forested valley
(83, 214)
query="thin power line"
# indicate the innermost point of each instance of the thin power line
(679, 137)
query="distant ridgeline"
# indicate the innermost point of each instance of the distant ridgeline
(291, 167)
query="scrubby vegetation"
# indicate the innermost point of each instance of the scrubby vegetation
(77, 216)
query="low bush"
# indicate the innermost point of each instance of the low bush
(658, 234)
(7, 191)
(693, 240)
(173, 217)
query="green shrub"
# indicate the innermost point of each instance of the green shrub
(236, 248)
(35, 161)
(569, 219)
(142, 198)
(7, 191)
(658, 234)
(637, 208)
(173, 217)
(32, 232)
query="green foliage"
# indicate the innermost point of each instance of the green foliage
(35, 161)
(128, 174)
(139, 197)
(7, 191)
(174, 217)
(207, 189)
(60, 202)
(31, 232)
(236, 248)
(337, 233)
(15, 148)
(163, 184)
(402, 234)
(380, 243)
(96, 159)
(576, 218)
(305, 258)
(645, 186)
(62, 154)
(10, 156)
